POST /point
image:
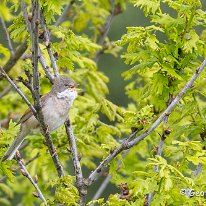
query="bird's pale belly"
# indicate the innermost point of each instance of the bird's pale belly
(54, 120)
(56, 114)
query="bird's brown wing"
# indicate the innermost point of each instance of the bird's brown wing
(28, 113)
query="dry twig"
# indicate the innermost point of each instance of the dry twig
(77, 167)
(28, 176)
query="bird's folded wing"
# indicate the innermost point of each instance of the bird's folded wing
(28, 113)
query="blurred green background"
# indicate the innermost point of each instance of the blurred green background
(114, 66)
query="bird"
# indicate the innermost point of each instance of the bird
(55, 108)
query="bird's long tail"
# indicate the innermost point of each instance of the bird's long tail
(14, 146)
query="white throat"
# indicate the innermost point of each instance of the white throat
(68, 94)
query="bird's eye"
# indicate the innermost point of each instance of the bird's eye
(69, 86)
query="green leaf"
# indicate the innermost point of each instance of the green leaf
(109, 109)
(7, 190)
(150, 6)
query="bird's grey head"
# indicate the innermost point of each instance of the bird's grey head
(63, 83)
(64, 88)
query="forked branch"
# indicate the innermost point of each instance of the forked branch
(126, 145)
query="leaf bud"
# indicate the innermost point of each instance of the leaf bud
(17, 155)
(23, 172)
(35, 194)
(167, 131)
(36, 179)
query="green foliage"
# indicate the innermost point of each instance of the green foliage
(65, 192)
(18, 30)
(163, 56)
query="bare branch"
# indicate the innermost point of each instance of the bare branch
(170, 107)
(48, 45)
(27, 175)
(7, 36)
(48, 35)
(106, 181)
(36, 88)
(165, 132)
(123, 146)
(159, 151)
(77, 167)
(26, 17)
(18, 168)
(41, 58)
(105, 30)
(102, 187)
(3, 73)
(93, 176)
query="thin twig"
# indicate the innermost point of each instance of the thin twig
(25, 14)
(105, 30)
(48, 44)
(93, 176)
(18, 168)
(27, 175)
(101, 189)
(123, 146)
(63, 17)
(77, 167)
(159, 151)
(64, 13)
(156, 168)
(3, 73)
(164, 132)
(13, 59)
(106, 181)
(41, 58)
(7, 36)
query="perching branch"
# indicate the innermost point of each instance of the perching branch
(27, 175)
(7, 36)
(4, 74)
(77, 167)
(36, 88)
(92, 177)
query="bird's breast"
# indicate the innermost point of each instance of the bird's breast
(55, 112)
